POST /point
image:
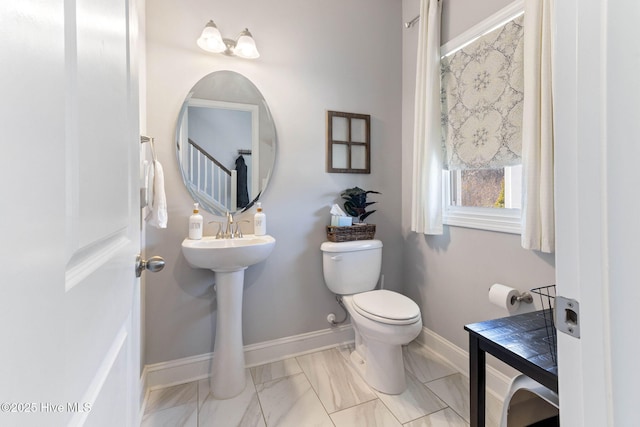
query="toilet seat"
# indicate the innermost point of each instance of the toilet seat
(387, 307)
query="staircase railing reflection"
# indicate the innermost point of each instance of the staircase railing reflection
(211, 179)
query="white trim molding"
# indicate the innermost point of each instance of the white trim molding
(497, 382)
(180, 371)
(491, 219)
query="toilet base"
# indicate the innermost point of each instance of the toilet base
(378, 354)
(385, 371)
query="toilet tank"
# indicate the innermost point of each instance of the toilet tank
(351, 267)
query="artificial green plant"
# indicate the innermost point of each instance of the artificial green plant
(356, 202)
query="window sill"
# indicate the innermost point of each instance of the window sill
(490, 219)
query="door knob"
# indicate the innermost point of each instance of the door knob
(153, 264)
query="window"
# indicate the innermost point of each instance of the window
(486, 199)
(483, 186)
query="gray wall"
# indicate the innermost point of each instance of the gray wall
(449, 276)
(306, 68)
(316, 56)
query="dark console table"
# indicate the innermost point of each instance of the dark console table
(521, 341)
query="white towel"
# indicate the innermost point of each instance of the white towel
(158, 215)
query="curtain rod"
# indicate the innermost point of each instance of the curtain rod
(412, 22)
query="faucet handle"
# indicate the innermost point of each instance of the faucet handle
(219, 234)
(238, 232)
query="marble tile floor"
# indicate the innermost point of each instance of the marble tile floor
(322, 389)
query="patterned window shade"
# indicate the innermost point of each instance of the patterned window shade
(482, 92)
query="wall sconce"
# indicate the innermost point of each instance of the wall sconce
(244, 46)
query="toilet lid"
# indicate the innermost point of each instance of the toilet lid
(386, 305)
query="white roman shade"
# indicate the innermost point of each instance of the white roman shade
(482, 94)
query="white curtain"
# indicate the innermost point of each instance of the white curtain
(426, 200)
(538, 225)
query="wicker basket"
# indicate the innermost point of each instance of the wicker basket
(348, 234)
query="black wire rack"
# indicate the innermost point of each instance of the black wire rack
(547, 295)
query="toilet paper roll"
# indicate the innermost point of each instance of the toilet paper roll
(505, 297)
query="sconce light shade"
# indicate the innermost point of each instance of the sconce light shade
(211, 39)
(246, 46)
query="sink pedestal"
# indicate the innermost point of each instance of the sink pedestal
(228, 370)
(228, 258)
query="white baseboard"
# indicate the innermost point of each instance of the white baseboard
(194, 368)
(497, 382)
(283, 348)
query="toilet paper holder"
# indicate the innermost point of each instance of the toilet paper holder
(508, 298)
(523, 297)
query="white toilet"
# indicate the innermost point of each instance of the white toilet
(383, 320)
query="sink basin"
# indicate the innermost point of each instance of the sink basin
(226, 255)
(228, 258)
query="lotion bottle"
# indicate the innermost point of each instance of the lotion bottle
(259, 221)
(195, 224)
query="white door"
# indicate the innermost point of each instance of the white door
(597, 94)
(69, 216)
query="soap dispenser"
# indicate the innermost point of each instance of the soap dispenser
(259, 221)
(195, 224)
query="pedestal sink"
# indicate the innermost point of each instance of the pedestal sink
(228, 258)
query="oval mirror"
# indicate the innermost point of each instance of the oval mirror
(226, 142)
